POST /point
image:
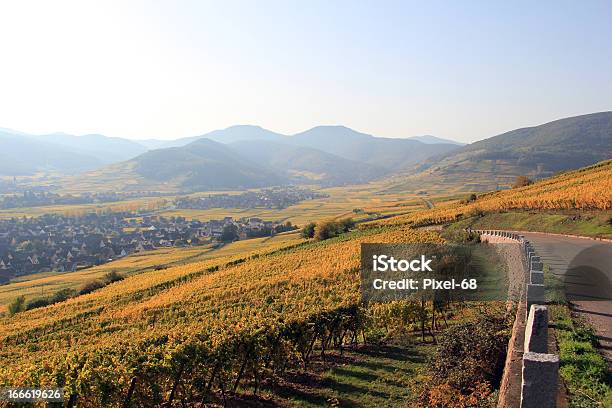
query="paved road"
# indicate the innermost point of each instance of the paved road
(585, 266)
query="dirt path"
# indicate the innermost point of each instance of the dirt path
(428, 203)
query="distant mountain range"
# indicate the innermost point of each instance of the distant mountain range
(329, 155)
(23, 154)
(249, 156)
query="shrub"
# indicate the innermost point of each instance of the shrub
(309, 230)
(62, 295)
(473, 352)
(91, 286)
(346, 224)
(329, 229)
(17, 305)
(36, 303)
(470, 199)
(112, 276)
(325, 230)
(522, 181)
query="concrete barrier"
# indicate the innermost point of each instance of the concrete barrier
(535, 295)
(536, 330)
(540, 377)
(540, 371)
(536, 277)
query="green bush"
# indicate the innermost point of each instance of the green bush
(36, 303)
(308, 230)
(112, 276)
(329, 229)
(62, 295)
(17, 305)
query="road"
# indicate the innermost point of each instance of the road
(585, 266)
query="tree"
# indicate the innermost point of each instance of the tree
(17, 305)
(326, 229)
(522, 181)
(346, 224)
(230, 233)
(112, 276)
(308, 230)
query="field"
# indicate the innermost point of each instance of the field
(213, 296)
(248, 317)
(341, 202)
(46, 284)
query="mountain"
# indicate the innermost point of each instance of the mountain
(24, 154)
(536, 152)
(391, 154)
(152, 144)
(208, 165)
(105, 149)
(232, 134)
(305, 164)
(429, 139)
(204, 165)
(21, 154)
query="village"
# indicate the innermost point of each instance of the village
(60, 243)
(278, 198)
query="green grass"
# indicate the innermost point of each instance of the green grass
(585, 223)
(583, 370)
(367, 376)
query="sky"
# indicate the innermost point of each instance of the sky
(169, 69)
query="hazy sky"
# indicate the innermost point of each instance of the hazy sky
(152, 69)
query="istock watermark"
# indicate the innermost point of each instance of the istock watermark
(425, 271)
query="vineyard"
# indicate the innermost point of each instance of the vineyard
(190, 329)
(212, 325)
(585, 189)
(46, 284)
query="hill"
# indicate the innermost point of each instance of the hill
(105, 149)
(392, 154)
(537, 152)
(304, 164)
(203, 165)
(24, 154)
(231, 134)
(585, 189)
(208, 165)
(428, 139)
